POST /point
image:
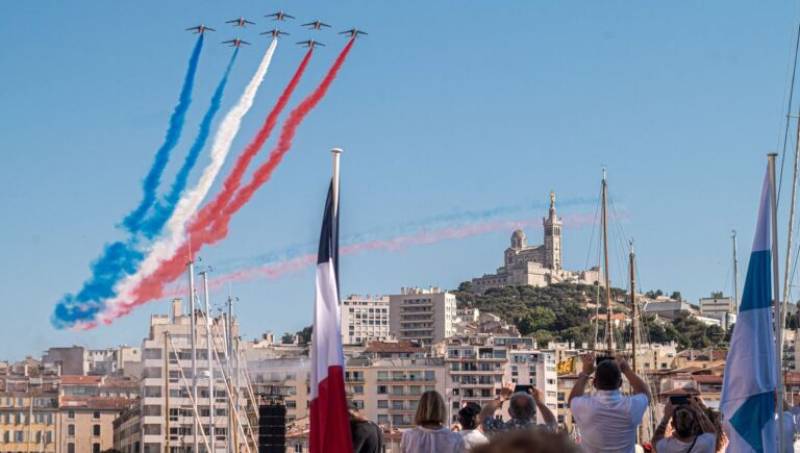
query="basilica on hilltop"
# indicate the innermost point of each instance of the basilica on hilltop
(535, 265)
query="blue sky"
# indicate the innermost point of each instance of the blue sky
(446, 106)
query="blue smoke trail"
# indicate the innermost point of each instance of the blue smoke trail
(163, 210)
(121, 258)
(132, 221)
(451, 219)
(118, 260)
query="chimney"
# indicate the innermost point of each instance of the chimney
(176, 309)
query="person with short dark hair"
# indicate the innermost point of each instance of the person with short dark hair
(430, 435)
(367, 436)
(692, 430)
(522, 409)
(470, 431)
(607, 421)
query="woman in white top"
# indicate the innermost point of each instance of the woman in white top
(693, 431)
(430, 434)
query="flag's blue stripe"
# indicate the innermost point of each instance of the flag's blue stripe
(758, 284)
(752, 416)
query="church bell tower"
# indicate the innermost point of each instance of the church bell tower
(552, 236)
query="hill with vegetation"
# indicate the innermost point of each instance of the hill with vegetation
(564, 311)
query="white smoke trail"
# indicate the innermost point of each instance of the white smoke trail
(175, 233)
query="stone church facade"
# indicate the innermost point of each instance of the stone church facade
(538, 265)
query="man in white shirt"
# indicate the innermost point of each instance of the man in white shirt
(607, 420)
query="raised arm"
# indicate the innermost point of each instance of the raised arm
(547, 414)
(491, 407)
(587, 369)
(662, 426)
(706, 425)
(637, 384)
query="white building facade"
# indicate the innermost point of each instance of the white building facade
(365, 319)
(424, 315)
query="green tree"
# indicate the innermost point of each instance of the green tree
(543, 337)
(717, 295)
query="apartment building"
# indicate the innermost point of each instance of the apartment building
(165, 412)
(475, 371)
(87, 408)
(365, 319)
(387, 390)
(477, 367)
(28, 407)
(536, 368)
(425, 315)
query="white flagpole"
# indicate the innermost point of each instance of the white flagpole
(776, 293)
(337, 153)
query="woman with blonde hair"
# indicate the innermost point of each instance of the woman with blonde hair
(431, 435)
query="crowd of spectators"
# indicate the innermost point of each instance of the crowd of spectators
(606, 420)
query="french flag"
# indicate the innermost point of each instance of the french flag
(750, 381)
(330, 424)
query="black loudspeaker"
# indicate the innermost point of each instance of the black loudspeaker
(272, 428)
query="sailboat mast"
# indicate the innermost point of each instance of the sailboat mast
(635, 311)
(193, 338)
(735, 274)
(604, 201)
(210, 347)
(776, 292)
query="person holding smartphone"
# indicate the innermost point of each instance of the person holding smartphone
(608, 419)
(522, 408)
(692, 430)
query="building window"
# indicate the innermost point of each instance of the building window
(95, 448)
(96, 430)
(96, 414)
(70, 448)
(70, 430)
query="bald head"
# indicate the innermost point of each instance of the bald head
(521, 406)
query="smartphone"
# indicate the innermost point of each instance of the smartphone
(522, 388)
(602, 358)
(679, 400)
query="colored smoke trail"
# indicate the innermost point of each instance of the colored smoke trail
(447, 220)
(121, 257)
(163, 210)
(234, 179)
(152, 286)
(259, 268)
(166, 246)
(150, 184)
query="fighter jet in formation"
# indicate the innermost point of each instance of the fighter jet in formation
(353, 32)
(240, 22)
(310, 43)
(200, 29)
(279, 15)
(236, 43)
(316, 25)
(275, 33)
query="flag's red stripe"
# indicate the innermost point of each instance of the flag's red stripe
(330, 424)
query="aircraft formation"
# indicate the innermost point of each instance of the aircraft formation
(278, 16)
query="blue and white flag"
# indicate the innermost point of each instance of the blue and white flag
(750, 382)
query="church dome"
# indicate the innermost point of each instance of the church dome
(518, 239)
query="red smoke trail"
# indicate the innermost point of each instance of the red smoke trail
(219, 229)
(276, 270)
(234, 179)
(152, 286)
